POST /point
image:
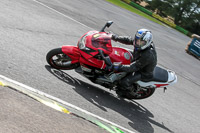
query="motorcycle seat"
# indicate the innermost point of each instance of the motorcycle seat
(160, 74)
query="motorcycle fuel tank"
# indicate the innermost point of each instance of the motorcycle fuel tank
(121, 55)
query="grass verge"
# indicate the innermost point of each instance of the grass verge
(132, 9)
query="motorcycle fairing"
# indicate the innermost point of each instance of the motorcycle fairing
(121, 55)
(93, 62)
(152, 84)
(72, 52)
(162, 78)
(118, 55)
(92, 41)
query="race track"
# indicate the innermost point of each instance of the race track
(30, 28)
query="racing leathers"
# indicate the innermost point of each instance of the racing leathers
(142, 66)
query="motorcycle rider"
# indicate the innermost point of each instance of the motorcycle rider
(144, 62)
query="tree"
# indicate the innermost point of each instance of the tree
(160, 7)
(137, 1)
(185, 12)
(183, 9)
(192, 23)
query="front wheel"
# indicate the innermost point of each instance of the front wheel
(57, 59)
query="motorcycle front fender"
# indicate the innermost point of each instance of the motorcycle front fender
(72, 52)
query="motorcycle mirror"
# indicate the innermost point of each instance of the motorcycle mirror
(108, 24)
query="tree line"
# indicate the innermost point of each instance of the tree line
(184, 13)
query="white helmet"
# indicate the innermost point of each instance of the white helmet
(143, 39)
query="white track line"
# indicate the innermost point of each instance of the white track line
(63, 102)
(61, 13)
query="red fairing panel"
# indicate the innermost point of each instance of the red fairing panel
(72, 52)
(93, 62)
(121, 55)
(160, 85)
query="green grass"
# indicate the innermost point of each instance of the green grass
(132, 9)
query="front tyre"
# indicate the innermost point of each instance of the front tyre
(57, 59)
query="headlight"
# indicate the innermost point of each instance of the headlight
(81, 43)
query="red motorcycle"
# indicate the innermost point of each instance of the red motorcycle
(90, 57)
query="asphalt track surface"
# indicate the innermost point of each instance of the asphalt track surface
(23, 114)
(30, 28)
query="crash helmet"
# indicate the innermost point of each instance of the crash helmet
(143, 39)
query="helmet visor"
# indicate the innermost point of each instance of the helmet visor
(139, 42)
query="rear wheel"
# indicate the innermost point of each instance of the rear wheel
(139, 93)
(57, 59)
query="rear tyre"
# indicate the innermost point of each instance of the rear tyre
(57, 59)
(136, 94)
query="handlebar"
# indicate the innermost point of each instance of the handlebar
(106, 59)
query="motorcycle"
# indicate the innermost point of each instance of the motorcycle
(91, 55)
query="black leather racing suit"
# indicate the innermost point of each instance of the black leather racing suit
(144, 62)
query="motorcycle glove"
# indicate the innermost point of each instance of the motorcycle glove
(109, 68)
(116, 67)
(114, 37)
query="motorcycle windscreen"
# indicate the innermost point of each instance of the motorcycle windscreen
(102, 41)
